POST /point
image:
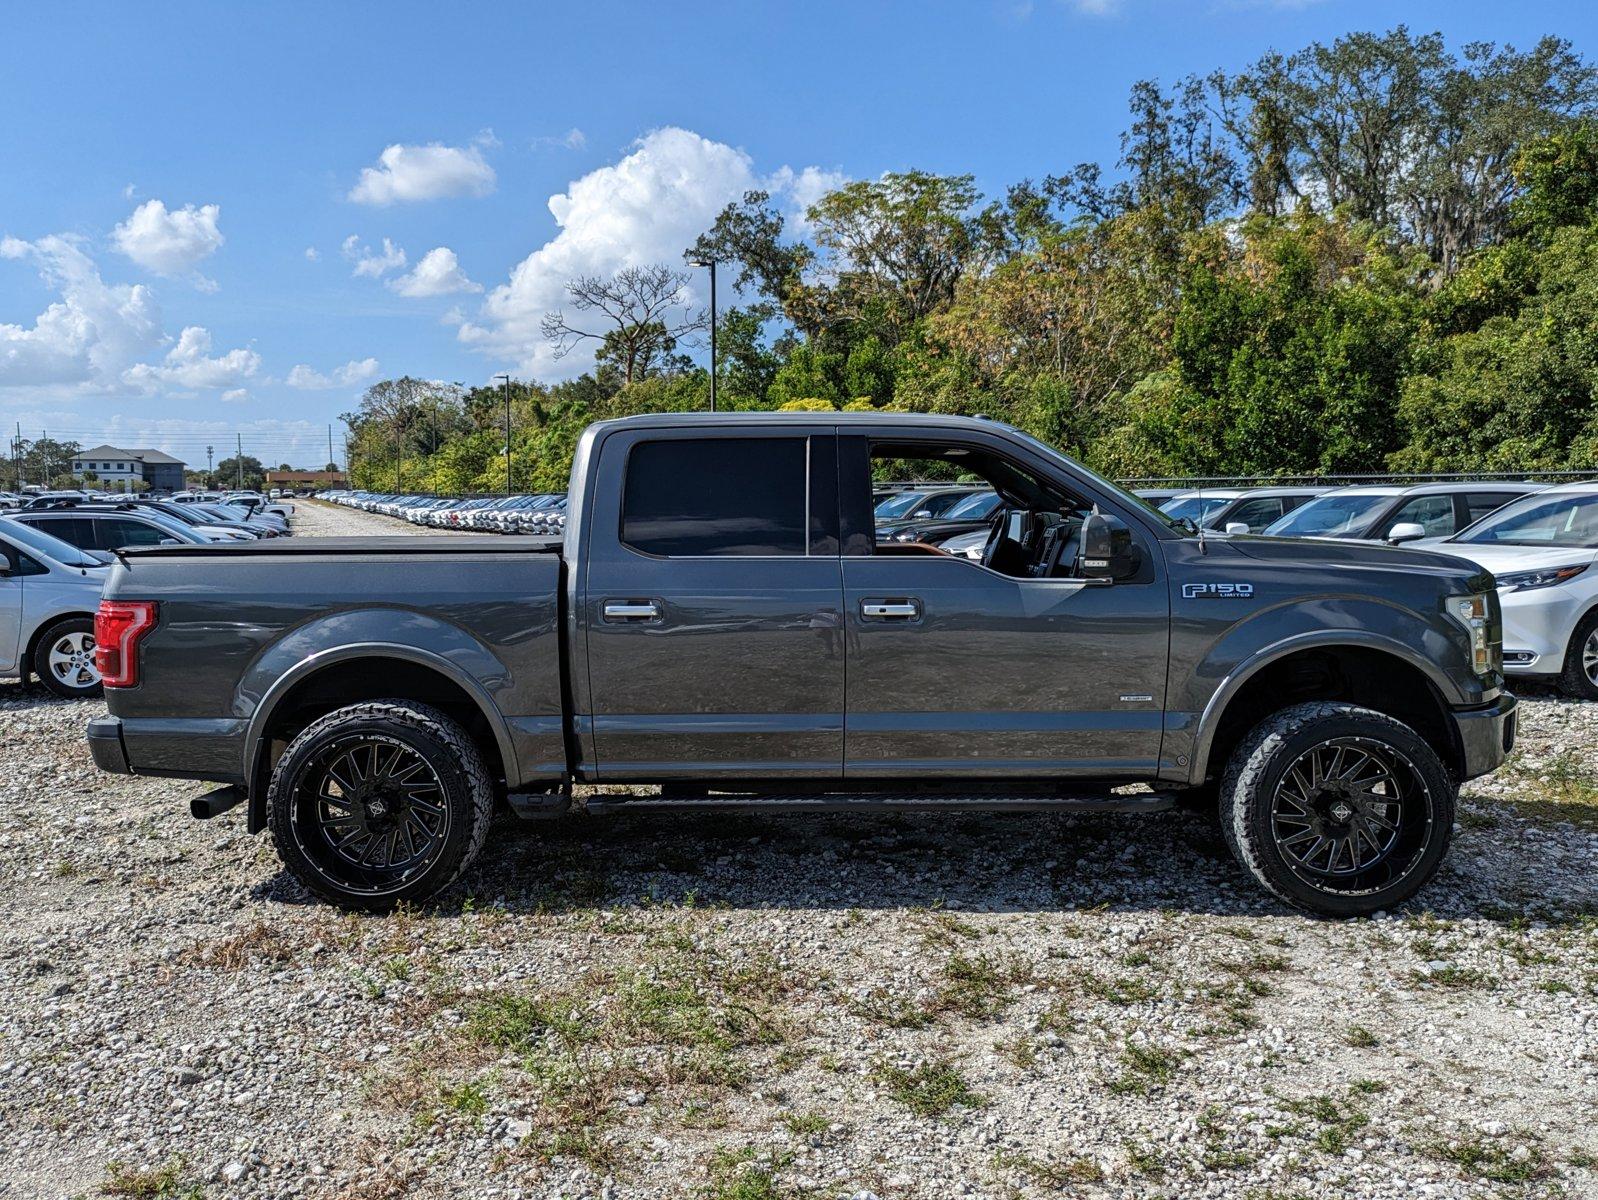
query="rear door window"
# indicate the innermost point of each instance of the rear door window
(1479, 504)
(1256, 513)
(702, 497)
(116, 532)
(1434, 514)
(74, 530)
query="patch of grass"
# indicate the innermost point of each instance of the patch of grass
(893, 1011)
(978, 986)
(1564, 788)
(943, 928)
(1123, 991)
(1360, 1038)
(1144, 1066)
(1455, 978)
(165, 1182)
(261, 943)
(470, 1098)
(1339, 1120)
(930, 1090)
(806, 1124)
(1145, 1161)
(1481, 1159)
(1054, 1174)
(744, 1175)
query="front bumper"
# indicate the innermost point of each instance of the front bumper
(1537, 627)
(1486, 735)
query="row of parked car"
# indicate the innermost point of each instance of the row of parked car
(540, 513)
(55, 552)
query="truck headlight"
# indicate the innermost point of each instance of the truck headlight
(1522, 581)
(1473, 613)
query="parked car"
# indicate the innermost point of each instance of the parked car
(1395, 512)
(49, 593)
(921, 503)
(108, 527)
(973, 512)
(1223, 508)
(1541, 550)
(725, 615)
(1154, 497)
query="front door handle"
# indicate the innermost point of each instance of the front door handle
(891, 610)
(631, 610)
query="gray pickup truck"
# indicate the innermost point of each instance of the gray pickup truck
(720, 622)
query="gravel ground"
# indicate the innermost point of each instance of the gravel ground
(748, 1008)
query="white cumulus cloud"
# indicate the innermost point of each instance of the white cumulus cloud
(373, 264)
(437, 274)
(354, 372)
(430, 172)
(87, 336)
(170, 242)
(646, 208)
(189, 365)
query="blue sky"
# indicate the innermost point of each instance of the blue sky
(194, 198)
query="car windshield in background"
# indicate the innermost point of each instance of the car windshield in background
(43, 543)
(898, 506)
(1194, 508)
(1330, 516)
(1570, 520)
(974, 508)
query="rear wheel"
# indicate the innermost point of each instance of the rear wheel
(63, 659)
(378, 803)
(1337, 809)
(1579, 678)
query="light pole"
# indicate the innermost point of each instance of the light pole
(210, 480)
(506, 378)
(711, 263)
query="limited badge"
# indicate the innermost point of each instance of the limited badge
(1217, 591)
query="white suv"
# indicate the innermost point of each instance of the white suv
(1541, 549)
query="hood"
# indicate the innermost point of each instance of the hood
(1504, 560)
(1347, 552)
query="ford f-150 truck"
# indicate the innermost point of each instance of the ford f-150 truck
(720, 621)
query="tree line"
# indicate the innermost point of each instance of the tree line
(1370, 255)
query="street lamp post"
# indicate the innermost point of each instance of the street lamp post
(711, 263)
(506, 378)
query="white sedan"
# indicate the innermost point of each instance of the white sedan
(1542, 549)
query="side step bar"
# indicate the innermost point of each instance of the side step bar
(1099, 802)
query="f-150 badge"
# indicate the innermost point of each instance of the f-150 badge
(1217, 591)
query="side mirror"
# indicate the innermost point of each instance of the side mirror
(1236, 527)
(1106, 550)
(921, 513)
(1405, 531)
(5, 566)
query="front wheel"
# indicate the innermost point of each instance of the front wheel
(63, 659)
(1579, 675)
(1337, 809)
(379, 803)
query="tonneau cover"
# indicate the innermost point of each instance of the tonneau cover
(408, 545)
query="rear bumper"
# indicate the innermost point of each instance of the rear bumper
(186, 748)
(1486, 735)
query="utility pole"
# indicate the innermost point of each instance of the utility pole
(399, 453)
(506, 378)
(44, 454)
(16, 456)
(238, 460)
(210, 472)
(330, 448)
(711, 263)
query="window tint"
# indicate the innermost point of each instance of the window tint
(116, 532)
(1434, 514)
(1256, 513)
(73, 530)
(715, 496)
(1479, 504)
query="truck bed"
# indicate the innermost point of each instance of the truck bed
(407, 545)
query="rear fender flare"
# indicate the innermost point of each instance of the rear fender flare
(255, 742)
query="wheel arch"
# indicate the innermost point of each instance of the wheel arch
(25, 663)
(1372, 672)
(368, 671)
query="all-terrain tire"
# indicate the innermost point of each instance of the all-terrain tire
(1255, 831)
(300, 807)
(1573, 678)
(58, 659)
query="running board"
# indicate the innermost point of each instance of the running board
(1141, 802)
(214, 804)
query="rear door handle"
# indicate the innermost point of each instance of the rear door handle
(891, 610)
(631, 610)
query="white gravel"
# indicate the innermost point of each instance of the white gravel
(726, 1007)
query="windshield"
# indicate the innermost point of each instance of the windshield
(974, 508)
(43, 543)
(1331, 516)
(1131, 500)
(1541, 521)
(897, 506)
(1194, 508)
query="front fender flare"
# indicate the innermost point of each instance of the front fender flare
(1215, 709)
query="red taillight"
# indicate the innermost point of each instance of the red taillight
(118, 626)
